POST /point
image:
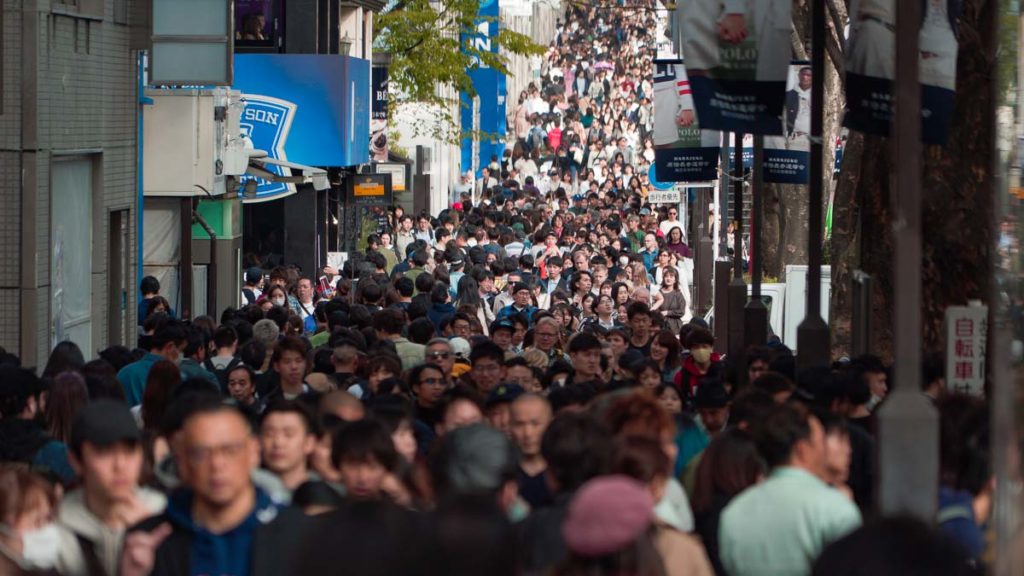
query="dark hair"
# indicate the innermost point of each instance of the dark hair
(388, 321)
(23, 384)
(749, 406)
(730, 464)
(65, 356)
(577, 448)
(634, 309)
(667, 339)
(405, 286)
(118, 356)
(965, 438)
(780, 430)
(290, 344)
(584, 342)
(164, 377)
(291, 407)
(149, 285)
(894, 546)
(253, 353)
(68, 395)
(420, 330)
(416, 372)
(485, 350)
(364, 441)
(640, 458)
(700, 336)
(101, 380)
(173, 331)
(773, 383)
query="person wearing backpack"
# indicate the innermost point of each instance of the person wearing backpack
(225, 340)
(251, 289)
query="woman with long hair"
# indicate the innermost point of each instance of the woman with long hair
(581, 285)
(163, 379)
(665, 350)
(469, 295)
(68, 395)
(620, 294)
(675, 305)
(675, 242)
(730, 464)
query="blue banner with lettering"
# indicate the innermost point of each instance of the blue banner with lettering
(304, 108)
(736, 55)
(490, 86)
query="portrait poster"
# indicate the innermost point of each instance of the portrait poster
(683, 151)
(787, 157)
(737, 53)
(871, 67)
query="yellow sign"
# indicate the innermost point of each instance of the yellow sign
(369, 188)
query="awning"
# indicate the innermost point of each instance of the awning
(309, 175)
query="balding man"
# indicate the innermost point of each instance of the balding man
(530, 416)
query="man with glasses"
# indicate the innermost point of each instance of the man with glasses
(545, 338)
(671, 222)
(439, 353)
(520, 303)
(219, 523)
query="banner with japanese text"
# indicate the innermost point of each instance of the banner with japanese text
(787, 157)
(683, 152)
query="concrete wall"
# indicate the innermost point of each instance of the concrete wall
(68, 87)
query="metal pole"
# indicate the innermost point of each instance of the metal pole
(908, 425)
(737, 287)
(812, 337)
(756, 313)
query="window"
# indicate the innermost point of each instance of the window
(71, 237)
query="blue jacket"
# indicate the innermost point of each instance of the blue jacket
(511, 310)
(439, 312)
(956, 520)
(133, 377)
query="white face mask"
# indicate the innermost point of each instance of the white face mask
(277, 301)
(40, 548)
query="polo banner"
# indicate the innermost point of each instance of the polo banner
(491, 89)
(683, 152)
(304, 108)
(787, 158)
(871, 67)
(737, 53)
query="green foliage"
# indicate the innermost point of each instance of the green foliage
(430, 48)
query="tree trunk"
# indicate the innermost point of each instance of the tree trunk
(958, 204)
(771, 241)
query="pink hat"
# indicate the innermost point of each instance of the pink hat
(606, 515)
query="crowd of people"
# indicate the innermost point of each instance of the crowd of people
(515, 386)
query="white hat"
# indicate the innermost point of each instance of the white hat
(460, 347)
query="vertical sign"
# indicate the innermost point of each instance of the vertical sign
(787, 157)
(367, 199)
(966, 335)
(379, 115)
(871, 67)
(491, 89)
(683, 152)
(736, 54)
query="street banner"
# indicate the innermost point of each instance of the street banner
(491, 88)
(379, 115)
(871, 67)
(737, 53)
(683, 152)
(787, 157)
(966, 340)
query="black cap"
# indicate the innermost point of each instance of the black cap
(520, 286)
(253, 275)
(503, 324)
(503, 394)
(104, 422)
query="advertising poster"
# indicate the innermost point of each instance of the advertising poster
(787, 157)
(683, 152)
(871, 67)
(737, 53)
(490, 86)
(369, 196)
(379, 115)
(311, 109)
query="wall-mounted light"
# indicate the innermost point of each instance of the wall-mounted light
(346, 44)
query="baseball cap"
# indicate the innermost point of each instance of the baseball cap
(504, 394)
(460, 347)
(503, 324)
(104, 422)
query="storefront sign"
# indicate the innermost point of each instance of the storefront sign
(966, 337)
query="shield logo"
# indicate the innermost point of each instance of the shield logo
(266, 121)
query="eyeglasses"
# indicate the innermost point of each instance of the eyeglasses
(199, 455)
(441, 355)
(673, 213)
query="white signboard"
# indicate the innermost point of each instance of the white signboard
(663, 197)
(966, 336)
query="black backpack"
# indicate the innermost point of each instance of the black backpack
(222, 375)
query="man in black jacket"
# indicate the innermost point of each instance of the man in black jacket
(220, 523)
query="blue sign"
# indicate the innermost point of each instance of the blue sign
(490, 86)
(305, 108)
(655, 183)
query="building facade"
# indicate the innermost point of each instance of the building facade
(68, 175)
